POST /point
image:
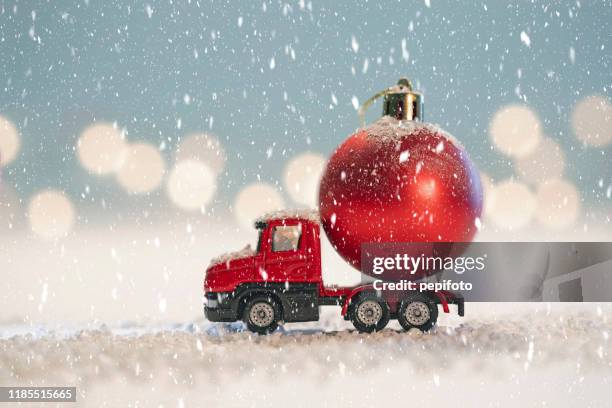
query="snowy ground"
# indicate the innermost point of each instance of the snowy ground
(154, 350)
(499, 355)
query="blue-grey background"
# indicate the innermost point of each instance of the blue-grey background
(66, 63)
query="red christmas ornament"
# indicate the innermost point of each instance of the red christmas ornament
(399, 180)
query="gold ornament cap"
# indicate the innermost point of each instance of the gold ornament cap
(399, 101)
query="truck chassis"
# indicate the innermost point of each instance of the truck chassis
(263, 307)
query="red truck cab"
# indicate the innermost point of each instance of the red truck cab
(281, 282)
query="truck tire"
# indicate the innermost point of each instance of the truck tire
(417, 311)
(261, 314)
(369, 313)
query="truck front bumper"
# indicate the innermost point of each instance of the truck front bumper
(218, 307)
(219, 315)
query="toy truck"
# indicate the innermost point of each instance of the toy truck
(281, 282)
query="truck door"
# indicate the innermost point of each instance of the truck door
(286, 259)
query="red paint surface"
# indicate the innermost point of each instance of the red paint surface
(302, 265)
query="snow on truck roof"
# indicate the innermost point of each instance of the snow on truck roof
(230, 256)
(305, 214)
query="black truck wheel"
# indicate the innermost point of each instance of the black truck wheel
(369, 313)
(418, 311)
(261, 314)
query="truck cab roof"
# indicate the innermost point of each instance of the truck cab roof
(309, 215)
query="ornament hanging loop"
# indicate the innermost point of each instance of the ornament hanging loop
(399, 101)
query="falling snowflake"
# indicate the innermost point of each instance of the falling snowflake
(525, 39)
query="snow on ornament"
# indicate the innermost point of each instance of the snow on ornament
(399, 180)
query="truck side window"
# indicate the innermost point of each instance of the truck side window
(259, 237)
(286, 238)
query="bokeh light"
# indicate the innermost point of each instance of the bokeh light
(202, 147)
(191, 185)
(10, 210)
(592, 121)
(488, 187)
(515, 130)
(101, 148)
(302, 176)
(142, 170)
(513, 205)
(254, 201)
(51, 214)
(9, 141)
(558, 203)
(546, 162)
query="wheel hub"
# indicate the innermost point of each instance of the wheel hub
(369, 312)
(262, 314)
(417, 313)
